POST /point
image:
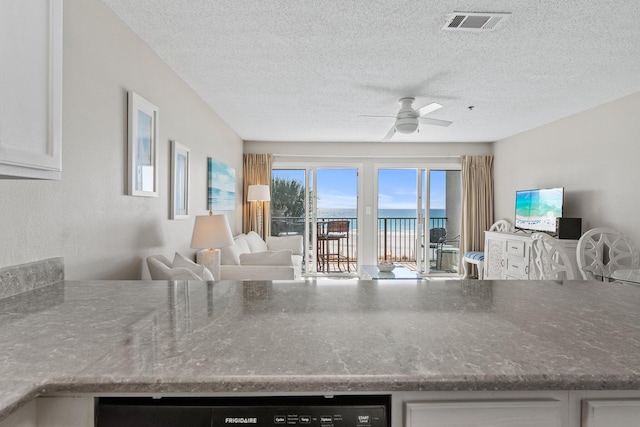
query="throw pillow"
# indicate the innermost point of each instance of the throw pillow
(230, 255)
(180, 261)
(243, 245)
(277, 243)
(282, 257)
(256, 244)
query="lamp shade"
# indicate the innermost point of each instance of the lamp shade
(211, 232)
(258, 193)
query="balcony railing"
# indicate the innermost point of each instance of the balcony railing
(397, 239)
(396, 236)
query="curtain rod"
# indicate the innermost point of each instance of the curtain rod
(364, 157)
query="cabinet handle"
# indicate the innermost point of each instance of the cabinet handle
(502, 263)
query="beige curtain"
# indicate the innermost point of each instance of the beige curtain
(256, 170)
(477, 201)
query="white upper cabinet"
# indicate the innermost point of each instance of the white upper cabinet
(31, 89)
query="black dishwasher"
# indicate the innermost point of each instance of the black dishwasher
(280, 411)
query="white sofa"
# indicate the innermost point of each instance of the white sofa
(251, 258)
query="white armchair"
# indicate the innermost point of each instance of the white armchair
(160, 268)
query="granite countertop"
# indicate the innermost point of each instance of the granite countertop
(343, 335)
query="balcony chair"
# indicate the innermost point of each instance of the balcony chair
(332, 238)
(447, 255)
(435, 236)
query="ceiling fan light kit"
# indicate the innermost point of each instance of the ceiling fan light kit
(408, 119)
(407, 125)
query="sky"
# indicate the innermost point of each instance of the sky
(337, 188)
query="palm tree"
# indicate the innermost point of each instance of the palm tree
(287, 197)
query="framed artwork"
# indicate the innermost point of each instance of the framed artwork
(143, 147)
(180, 164)
(221, 186)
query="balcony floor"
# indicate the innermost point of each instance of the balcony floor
(353, 267)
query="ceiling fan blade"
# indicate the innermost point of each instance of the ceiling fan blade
(368, 115)
(428, 108)
(435, 122)
(390, 134)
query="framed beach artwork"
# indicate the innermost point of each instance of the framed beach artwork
(221, 186)
(180, 164)
(143, 146)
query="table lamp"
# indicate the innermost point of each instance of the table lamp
(260, 194)
(211, 232)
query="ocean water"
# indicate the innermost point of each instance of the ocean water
(221, 200)
(400, 224)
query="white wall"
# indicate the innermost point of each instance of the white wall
(86, 217)
(594, 155)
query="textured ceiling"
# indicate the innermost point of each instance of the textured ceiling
(304, 70)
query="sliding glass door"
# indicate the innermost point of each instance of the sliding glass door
(418, 218)
(322, 205)
(336, 220)
(412, 216)
(443, 195)
(288, 202)
(398, 221)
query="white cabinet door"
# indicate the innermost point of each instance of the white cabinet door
(611, 413)
(54, 412)
(31, 89)
(493, 257)
(23, 417)
(484, 414)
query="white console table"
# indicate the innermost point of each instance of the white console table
(508, 255)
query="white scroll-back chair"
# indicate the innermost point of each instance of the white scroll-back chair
(550, 260)
(601, 251)
(477, 257)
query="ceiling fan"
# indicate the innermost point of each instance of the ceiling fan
(407, 120)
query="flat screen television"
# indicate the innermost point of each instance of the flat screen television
(537, 210)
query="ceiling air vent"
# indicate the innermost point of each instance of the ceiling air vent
(474, 21)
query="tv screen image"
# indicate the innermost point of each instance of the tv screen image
(537, 210)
